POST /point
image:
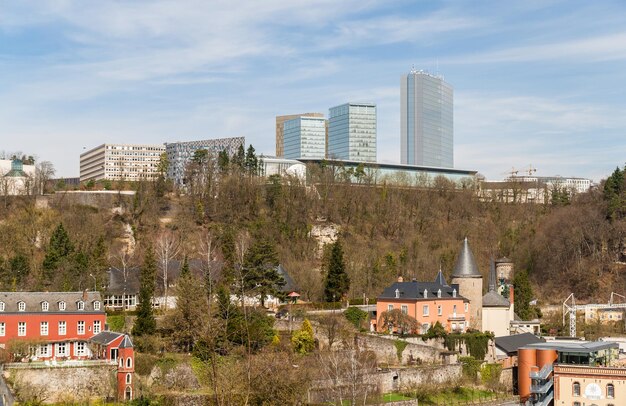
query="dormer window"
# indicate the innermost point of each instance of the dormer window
(439, 293)
(453, 292)
(80, 305)
(62, 306)
(1, 306)
(425, 293)
(21, 306)
(397, 293)
(96, 305)
(44, 306)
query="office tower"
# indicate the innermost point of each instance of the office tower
(180, 153)
(426, 120)
(305, 137)
(121, 162)
(352, 132)
(280, 130)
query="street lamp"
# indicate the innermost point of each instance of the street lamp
(95, 286)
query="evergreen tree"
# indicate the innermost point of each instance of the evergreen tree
(223, 161)
(145, 324)
(239, 158)
(260, 273)
(251, 162)
(19, 268)
(59, 248)
(337, 281)
(523, 294)
(303, 340)
(614, 194)
(184, 269)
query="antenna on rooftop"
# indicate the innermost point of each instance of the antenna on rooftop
(531, 170)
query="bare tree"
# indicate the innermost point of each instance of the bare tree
(167, 248)
(346, 375)
(123, 262)
(44, 171)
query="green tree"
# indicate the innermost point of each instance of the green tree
(614, 188)
(239, 158)
(200, 156)
(59, 248)
(145, 324)
(184, 269)
(337, 281)
(523, 294)
(355, 316)
(163, 165)
(260, 274)
(188, 320)
(223, 161)
(19, 268)
(303, 340)
(251, 161)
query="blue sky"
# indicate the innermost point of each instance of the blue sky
(536, 82)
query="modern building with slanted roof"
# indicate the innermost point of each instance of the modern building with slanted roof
(427, 302)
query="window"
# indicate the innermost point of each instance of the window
(128, 378)
(96, 305)
(61, 350)
(96, 326)
(425, 293)
(1, 306)
(44, 350)
(43, 328)
(80, 305)
(454, 309)
(44, 306)
(3, 329)
(425, 310)
(389, 308)
(576, 403)
(129, 362)
(439, 293)
(21, 306)
(405, 309)
(62, 306)
(439, 310)
(576, 388)
(79, 348)
(81, 327)
(62, 328)
(121, 362)
(453, 292)
(466, 307)
(21, 328)
(610, 391)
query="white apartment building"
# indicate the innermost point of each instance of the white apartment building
(129, 162)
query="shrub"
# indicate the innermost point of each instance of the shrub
(470, 367)
(116, 322)
(144, 363)
(355, 316)
(400, 346)
(435, 331)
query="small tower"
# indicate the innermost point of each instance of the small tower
(497, 313)
(126, 370)
(470, 282)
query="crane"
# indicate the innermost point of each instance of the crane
(570, 308)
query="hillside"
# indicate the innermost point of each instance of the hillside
(386, 231)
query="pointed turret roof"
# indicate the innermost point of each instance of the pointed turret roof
(126, 343)
(465, 264)
(440, 279)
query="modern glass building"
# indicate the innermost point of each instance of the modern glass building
(426, 120)
(305, 137)
(280, 130)
(352, 132)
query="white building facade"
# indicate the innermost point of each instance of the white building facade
(426, 120)
(128, 162)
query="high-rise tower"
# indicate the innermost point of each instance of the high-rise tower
(352, 132)
(426, 120)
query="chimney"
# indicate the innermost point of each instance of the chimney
(85, 295)
(400, 279)
(511, 294)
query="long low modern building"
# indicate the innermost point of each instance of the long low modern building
(130, 162)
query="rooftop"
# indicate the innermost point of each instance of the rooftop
(583, 347)
(466, 264)
(510, 344)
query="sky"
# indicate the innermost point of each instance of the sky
(539, 83)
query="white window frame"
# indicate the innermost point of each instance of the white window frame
(389, 307)
(21, 328)
(80, 349)
(21, 306)
(404, 309)
(80, 305)
(44, 328)
(80, 327)
(44, 350)
(45, 306)
(439, 310)
(65, 352)
(97, 328)
(129, 362)
(62, 327)
(3, 329)
(2, 305)
(425, 311)
(129, 378)
(466, 306)
(62, 306)
(96, 305)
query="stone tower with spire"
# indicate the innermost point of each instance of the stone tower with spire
(470, 282)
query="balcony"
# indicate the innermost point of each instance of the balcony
(456, 317)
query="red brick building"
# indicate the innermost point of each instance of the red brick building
(117, 347)
(58, 324)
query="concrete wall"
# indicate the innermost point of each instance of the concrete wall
(497, 320)
(75, 384)
(385, 350)
(412, 377)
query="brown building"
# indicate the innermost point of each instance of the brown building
(280, 130)
(579, 373)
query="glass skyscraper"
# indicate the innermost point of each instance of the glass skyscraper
(426, 120)
(352, 132)
(305, 137)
